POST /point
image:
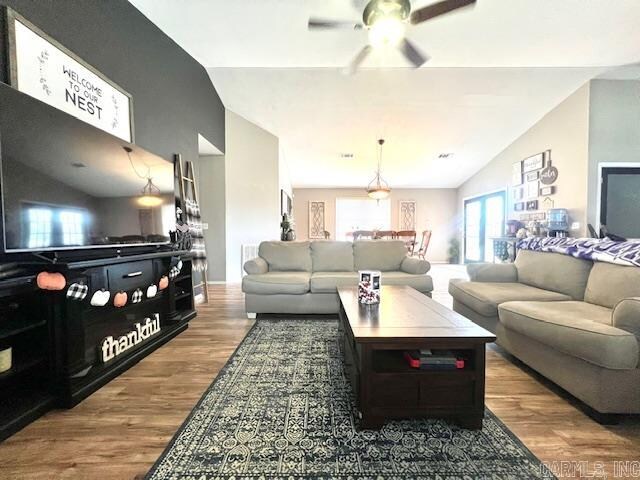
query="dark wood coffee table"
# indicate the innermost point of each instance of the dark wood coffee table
(386, 387)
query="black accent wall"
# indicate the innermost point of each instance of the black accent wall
(173, 97)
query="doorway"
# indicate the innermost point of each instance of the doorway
(484, 219)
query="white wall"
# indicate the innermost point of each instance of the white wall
(614, 131)
(565, 131)
(435, 208)
(212, 193)
(252, 182)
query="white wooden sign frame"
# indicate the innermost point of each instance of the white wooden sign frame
(44, 69)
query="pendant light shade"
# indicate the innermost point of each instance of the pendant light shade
(378, 188)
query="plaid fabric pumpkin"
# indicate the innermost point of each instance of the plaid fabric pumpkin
(77, 291)
(174, 272)
(136, 297)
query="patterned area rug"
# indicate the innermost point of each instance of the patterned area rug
(282, 409)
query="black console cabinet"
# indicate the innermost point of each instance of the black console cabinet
(61, 351)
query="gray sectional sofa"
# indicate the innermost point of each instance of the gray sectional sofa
(575, 321)
(303, 277)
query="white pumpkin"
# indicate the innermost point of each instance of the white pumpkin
(100, 298)
(152, 291)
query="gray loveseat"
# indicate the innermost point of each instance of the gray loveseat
(575, 321)
(303, 277)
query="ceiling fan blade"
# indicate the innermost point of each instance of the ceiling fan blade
(358, 59)
(432, 11)
(324, 24)
(413, 54)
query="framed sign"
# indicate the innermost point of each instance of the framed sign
(285, 203)
(531, 190)
(531, 176)
(41, 67)
(546, 191)
(316, 220)
(549, 174)
(407, 215)
(532, 205)
(519, 207)
(535, 162)
(516, 174)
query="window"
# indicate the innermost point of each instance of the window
(620, 201)
(72, 231)
(40, 226)
(361, 214)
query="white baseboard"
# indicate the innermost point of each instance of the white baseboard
(216, 282)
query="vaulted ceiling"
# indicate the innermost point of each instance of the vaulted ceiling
(495, 70)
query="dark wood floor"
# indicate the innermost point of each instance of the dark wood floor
(119, 431)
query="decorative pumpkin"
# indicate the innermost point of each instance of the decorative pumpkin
(174, 272)
(77, 291)
(100, 298)
(120, 299)
(137, 296)
(152, 291)
(51, 281)
(164, 282)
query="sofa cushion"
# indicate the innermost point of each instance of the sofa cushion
(422, 283)
(286, 256)
(383, 255)
(329, 282)
(554, 271)
(484, 297)
(293, 283)
(330, 256)
(580, 329)
(609, 283)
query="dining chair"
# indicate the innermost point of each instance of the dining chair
(362, 234)
(385, 234)
(424, 243)
(409, 238)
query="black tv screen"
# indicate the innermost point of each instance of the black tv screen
(68, 185)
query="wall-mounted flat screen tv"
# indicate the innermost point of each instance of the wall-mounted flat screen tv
(68, 185)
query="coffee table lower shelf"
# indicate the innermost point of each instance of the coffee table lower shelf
(387, 387)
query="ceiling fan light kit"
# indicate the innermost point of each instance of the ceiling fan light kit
(386, 22)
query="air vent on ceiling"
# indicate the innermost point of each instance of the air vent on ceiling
(347, 155)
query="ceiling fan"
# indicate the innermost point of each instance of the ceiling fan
(386, 22)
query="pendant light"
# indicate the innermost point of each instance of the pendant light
(150, 196)
(378, 188)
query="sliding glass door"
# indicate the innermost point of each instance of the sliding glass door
(484, 219)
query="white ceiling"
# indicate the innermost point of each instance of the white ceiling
(495, 70)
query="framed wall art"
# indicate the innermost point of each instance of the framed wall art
(532, 205)
(407, 215)
(316, 220)
(532, 190)
(516, 174)
(535, 162)
(531, 176)
(44, 69)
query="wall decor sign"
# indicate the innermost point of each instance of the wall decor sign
(545, 191)
(41, 67)
(407, 215)
(549, 174)
(535, 162)
(112, 348)
(531, 190)
(532, 205)
(519, 207)
(286, 205)
(316, 220)
(516, 174)
(531, 176)
(518, 193)
(547, 204)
